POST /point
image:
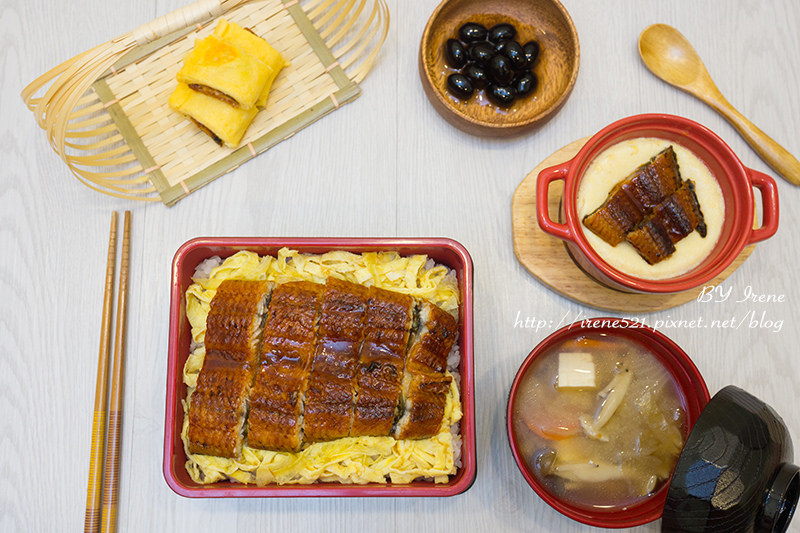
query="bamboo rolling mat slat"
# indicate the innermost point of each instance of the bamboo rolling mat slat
(124, 140)
(547, 257)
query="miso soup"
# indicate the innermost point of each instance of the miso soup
(601, 426)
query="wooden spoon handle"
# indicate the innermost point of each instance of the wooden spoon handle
(773, 153)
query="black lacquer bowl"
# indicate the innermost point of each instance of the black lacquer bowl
(735, 473)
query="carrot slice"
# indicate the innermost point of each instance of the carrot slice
(552, 429)
(554, 432)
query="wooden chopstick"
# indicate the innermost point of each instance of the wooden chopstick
(111, 481)
(97, 455)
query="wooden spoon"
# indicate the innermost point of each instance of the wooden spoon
(668, 55)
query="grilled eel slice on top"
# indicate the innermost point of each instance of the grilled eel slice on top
(218, 405)
(381, 361)
(425, 383)
(672, 220)
(276, 400)
(330, 392)
(632, 199)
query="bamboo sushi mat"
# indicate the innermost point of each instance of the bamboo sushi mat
(137, 147)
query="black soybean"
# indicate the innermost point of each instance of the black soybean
(501, 70)
(481, 53)
(455, 53)
(491, 60)
(531, 49)
(460, 86)
(516, 55)
(500, 46)
(501, 95)
(526, 84)
(477, 75)
(472, 32)
(502, 32)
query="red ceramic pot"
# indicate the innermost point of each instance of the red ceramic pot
(691, 387)
(735, 180)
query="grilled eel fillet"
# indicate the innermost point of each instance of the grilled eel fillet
(425, 384)
(330, 392)
(381, 362)
(218, 405)
(334, 362)
(632, 199)
(276, 400)
(672, 220)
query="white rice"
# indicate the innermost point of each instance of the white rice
(203, 270)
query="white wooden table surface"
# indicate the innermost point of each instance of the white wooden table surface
(386, 165)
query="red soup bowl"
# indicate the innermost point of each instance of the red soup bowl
(735, 180)
(692, 394)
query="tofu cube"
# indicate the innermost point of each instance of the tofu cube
(575, 371)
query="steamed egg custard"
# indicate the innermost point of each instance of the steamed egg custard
(357, 459)
(651, 241)
(600, 421)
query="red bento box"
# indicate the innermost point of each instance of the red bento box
(444, 251)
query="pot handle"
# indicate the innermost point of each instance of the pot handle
(769, 205)
(543, 181)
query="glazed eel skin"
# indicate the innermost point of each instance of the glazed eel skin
(633, 198)
(276, 403)
(671, 221)
(652, 209)
(319, 362)
(233, 334)
(330, 391)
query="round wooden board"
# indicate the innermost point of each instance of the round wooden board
(548, 259)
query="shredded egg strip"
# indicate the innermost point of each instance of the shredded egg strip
(351, 459)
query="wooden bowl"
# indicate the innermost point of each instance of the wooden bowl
(543, 20)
